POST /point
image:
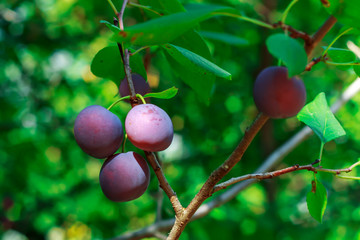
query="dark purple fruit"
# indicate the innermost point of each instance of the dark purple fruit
(149, 128)
(141, 86)
(98, 131)
(277, 95)
(124, 177)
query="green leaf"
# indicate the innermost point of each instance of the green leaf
(193, 42)
(318, 116)
(316, 200)
(357, 70)
(168, 28)
(340, 55)
(166, 7)
(166, 94)
(194, 70)
(288, 50)
(191, 39)
(225, 38)
(107, 64)
(345, 11)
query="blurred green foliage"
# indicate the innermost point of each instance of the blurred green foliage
(49, 188)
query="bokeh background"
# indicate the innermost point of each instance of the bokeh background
(49, 188)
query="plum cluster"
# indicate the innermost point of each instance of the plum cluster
(277, 95)
(99, 133)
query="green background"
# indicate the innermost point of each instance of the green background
(49, 188)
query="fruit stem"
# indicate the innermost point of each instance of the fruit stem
(141, 97)
(117, 101)
(337, 37)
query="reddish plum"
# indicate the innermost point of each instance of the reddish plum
(149, 128)
(98, 131)
(124, 177)
(277, 95)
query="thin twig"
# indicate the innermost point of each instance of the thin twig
(313, 62)
(121, 15)
(294, 33)
(266, 175)
(164, 184)
(320, 34)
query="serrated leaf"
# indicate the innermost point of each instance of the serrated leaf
(225, 38)
(340, 55)
(357, 70)
(347, 12)
(316, 200)
(289, 51)
(167, 28)
(166, 94)
(194, 70)
(107, 64)
(318, 116)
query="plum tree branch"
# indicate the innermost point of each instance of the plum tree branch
(164, 184)
(270, 162)
(267, 175)
(216, 176)
(320, 34)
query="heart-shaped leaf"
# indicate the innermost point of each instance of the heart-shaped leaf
(318, 116)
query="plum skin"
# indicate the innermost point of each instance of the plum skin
(149, 128)
(98, 131)
(141, 86)
(277, 95)
(124, 177)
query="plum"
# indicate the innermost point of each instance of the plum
(277, 95)
(149, 128)
(124, 177)
(98, 131)
(141, 86)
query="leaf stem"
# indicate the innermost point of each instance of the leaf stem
(148, 8)
(247, 19)
(287, 10)
(139, 50)
(141, 97)
(113, 7)
(117, 101)
(333, 41)
(342, 64)
(321, 151)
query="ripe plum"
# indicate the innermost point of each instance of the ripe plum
(124, 177)
(149, 128)
(277, 95)
(98, 131)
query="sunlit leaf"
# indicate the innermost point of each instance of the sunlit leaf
(166, 94)
(318, 116)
